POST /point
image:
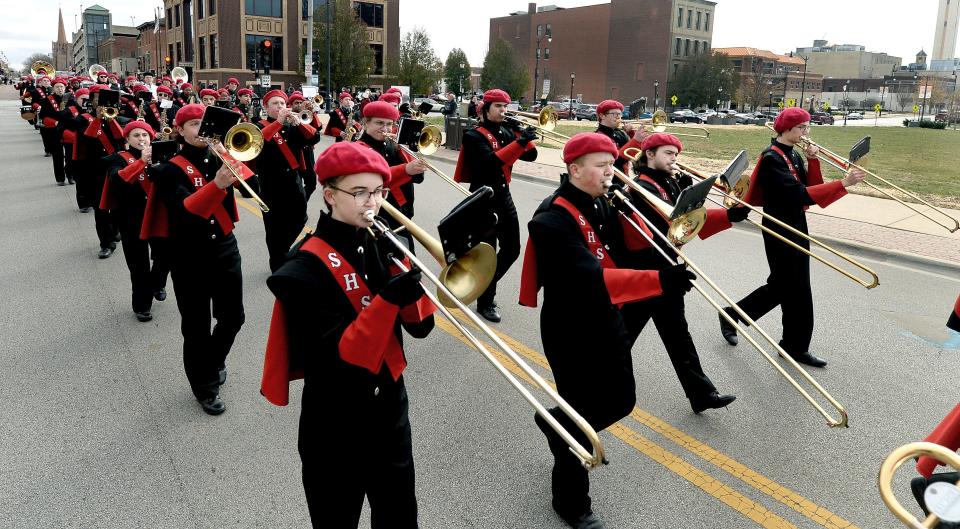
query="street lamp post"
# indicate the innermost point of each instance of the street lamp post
(460, 93)
(719, 93)
(845, 110)
(573, 76)
(770, 105)
(536, 68)
(923, 98)
(803, 81)
(656, 95)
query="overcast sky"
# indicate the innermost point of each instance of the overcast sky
(757, 23)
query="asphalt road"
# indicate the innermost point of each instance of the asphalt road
(99, 428)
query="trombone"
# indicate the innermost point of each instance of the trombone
(429, 141)
(243, 142)
(659, 123)
(897, 458)
(546, 122)
(842, 420)
(589, 458)
(732, 198)
(845, 165)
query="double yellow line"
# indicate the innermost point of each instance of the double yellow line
(749, 508)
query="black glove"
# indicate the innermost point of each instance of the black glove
(676, 279)
(684, 181)
(621, 206)
(527, 135)
(737, 214)
(403, 289)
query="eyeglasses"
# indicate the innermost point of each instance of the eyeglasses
(362, 197)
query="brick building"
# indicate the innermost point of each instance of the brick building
(218, 39)
(118, 53)
(151, 46)
(767, 78)
(620, 50)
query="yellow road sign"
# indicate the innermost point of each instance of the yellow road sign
(674, 100)
(779, 104)
(826, 105)
(877, 107)
(916, 108)
(791, 102)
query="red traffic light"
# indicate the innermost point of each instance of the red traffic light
(166, 60)
(267, 43)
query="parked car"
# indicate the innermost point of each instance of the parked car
(744, 117)
(685, 116)
(854, 115)
(821, 118)
(563, 110)
(942, 117)
(587, 112)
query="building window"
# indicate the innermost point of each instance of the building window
(676, 66)
(686, 47)
(370, 14)
(213, 7)
(696, 47)
(549, 31)
(698, 20)
(169, 18)
(276, 56)
(706, 47)
(179, 52)
(264, 8)
(176, 14)
(638, 71)
(305, 10)
(677, 50)
(689, 17)
(378, 58)
(517, 27)
(202, 48)
(170, 52)
(546, 53)
(706, 23)
(200, 9)
(214, 62)
(539, 30)
(679, 17)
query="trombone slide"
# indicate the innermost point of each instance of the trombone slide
(212, 144)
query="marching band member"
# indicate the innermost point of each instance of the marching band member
(337, 324)
(279, 167)
(107, 138)
(582, 255)
(208, 97)
(379, 119)
(194, 188)
(487, 155)
(785, 188)
(609, 113)
(655, 169)
(126, 192)
(223, 95)
(244, 96)
(307, 173)
(165, 94)
(187, 95)
(339, 117)
(74, 110)
(148, 81)
(50, 133)
(232, 86)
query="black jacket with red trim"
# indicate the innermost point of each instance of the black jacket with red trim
(281, 185)
(397, 162)
(620, 138)
(486, 168)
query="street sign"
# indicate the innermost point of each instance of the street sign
(780, 104)
(791, 102)
(674, 100)
(916, 108)
(826, 105)
(265, 81)
(876, 108)
(546, 87)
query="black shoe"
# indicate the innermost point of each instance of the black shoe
(586, 520)
(144, 316)
(71, 181)
(213, 405)
(809, 359)
(61, 184)
(714, 401)
(728, 331)
(490, 313)
(222, 375)
(116, 237)
(86, 209)
(46, 155)
(105, 252)
(160, 295)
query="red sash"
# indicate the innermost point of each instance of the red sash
(95, 130)
(753, 189)
(141, 177)
(590, 236)
(156, 114)
(281, 143)
(663, 192)
(196, 178)
(462, 172)
(107, 200)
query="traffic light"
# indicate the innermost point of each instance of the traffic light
(266, 54)
(316, 61)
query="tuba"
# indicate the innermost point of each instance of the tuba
(94, 70)
(179, 75)
(39, 68)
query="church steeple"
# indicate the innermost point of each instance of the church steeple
(61, 33)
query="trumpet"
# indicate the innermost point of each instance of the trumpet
(841, 420)
(589, 458)
(243, 142)
(845, 165)
(897, 458)
(737, 200)
(305, 116)
(659, 123)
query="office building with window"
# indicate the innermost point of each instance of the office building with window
(96, 25)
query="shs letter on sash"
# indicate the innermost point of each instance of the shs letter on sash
(350, 281)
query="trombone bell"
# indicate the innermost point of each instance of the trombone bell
(430, 140)
(897, 458)
(243, 141)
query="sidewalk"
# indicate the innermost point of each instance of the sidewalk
(874, 224)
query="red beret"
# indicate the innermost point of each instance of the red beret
(223, 92)
(659, 139)
(166, 78)
(140, 88)
(139, 125)
(347, 158)
(81, 92)
(97, 87)
(392, 98)
(296, 96)
(345, 95)
(233, 80)
(188, 112)
(184, 86)
(244, 92)
(394, 90)
(60, 80)
(272, 94)
(382, 110)
(131, 78)
(113, 76)
(586, 143)
(608, 105)
(789, 118)
(164, 90)
(208, 92)
(496, 96)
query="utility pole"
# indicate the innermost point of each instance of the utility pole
(308, 54)
(330, 90)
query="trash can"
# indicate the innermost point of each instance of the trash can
(455, 125)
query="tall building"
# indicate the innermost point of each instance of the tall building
(62, 51)
(96, 25)
(621, 50)
(848, 60)
(118, 53)
(218, 39)
(945, 37)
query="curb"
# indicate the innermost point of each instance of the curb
(882, 254)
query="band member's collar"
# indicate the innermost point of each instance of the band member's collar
(371, 141)
(605, 129)
(787, 149)
(580, 200)
(339, 234)
(661, 176)
(194, 154)
(134, 151)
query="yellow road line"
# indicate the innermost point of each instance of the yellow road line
(782, 494)
(738, 502)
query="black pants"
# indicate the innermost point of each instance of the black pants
(668, 315)
(281, 230)
(919, 485)
(83, 173)
(51, 144)
(106, 228)
(788, 286)
(208, 284)
(380, 466)
(68, 168)
(506, 240)
(144, 278)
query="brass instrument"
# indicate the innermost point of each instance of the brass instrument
(166, 131)
(108, 112)
(243, 142)
(680, 230)
(94, 70)
(845, 166)
(544, 121)
(737, 200)
(306, 116)
(428, 143)
(842, 420)
(43, 68)
(659, 123)
(897, 458)
(318, 100)
(179, 75)
(351, 130)
(588, 458)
